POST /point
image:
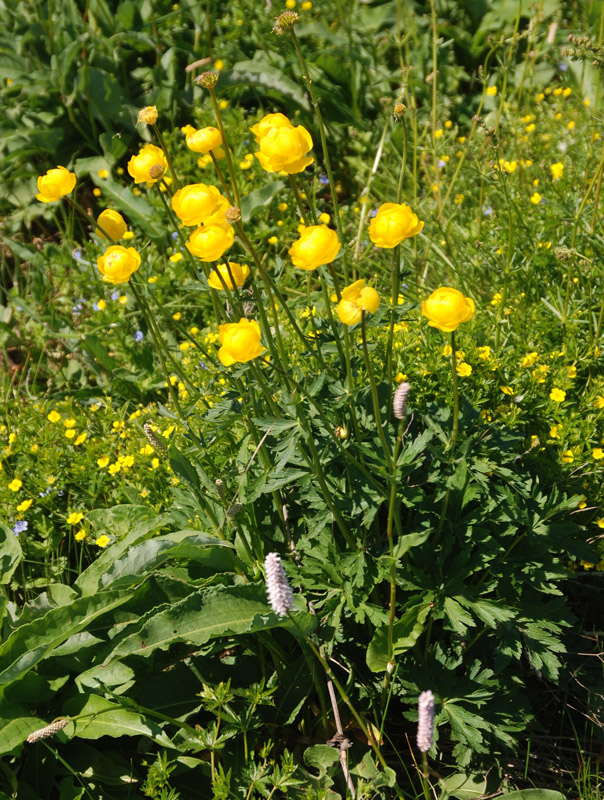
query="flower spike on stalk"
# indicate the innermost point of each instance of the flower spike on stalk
(280, 596)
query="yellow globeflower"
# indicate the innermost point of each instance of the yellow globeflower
(209, 242)
(447, 308)
(54, 184)
(317, 245)
(392, 224)
(117, 263)
(261, 128)
(203, 140)
(240, 341)
(198, 204)
(148, 166)
(283, 147)
(233, 272)
(357, 298)
(112, 223)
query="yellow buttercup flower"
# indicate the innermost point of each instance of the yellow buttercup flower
(150, 158)
(447, 308)
(55, 184)
(557, 395)
(240, 341)
(15, 485)
(22, 507)
(491, 91)
(209, 242)
(557, 170)
(53, 416)
(233, 272)
(355, 299)
(112, 223)
(317, 245)
(283, 147)
(393, 223)
(199, 204)
(117, 263)
(75, 517)
(204, 140)
(102, 541)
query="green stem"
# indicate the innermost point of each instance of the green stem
(162, 144)
(301, 209)
(227, 149)
(221, 178)
(455, 427)
(374, 393)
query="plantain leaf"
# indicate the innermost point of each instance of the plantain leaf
(31, 642)
(10, 553)
(107, 719)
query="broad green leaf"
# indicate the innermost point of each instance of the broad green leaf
(259, 198)
(465, 787)
(266, 76)
(405, 633)
(14, 731)
(534, 794)
(321, 756)
(32, 642)
(205, 615)
(107, 718)
(132, 565)
(10, 553)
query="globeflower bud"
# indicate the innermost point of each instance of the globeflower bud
(148, 115)
(355, 299)
(140, 166)
(240, 341)
(112, 223)
(117, 263)
(198, 204)
(392, 224)
(55, 184)
(203, 140)
(447, 308)
(316, 246)
(232, 272)
(209, 242)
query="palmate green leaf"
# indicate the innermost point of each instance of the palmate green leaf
(405, 633)
(107, 719)
(10, 553)
(30, 643)
(466, 726)
(205, 615)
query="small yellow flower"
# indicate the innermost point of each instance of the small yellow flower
(273, 240)
(75, 517)
(557, 169)
(219, 65)
(114, 468)
(101, 305)
(81, 534)
(567, 457)
(70, 433)
(597, 453)
(54, 416)
(103, 174)
(507, 390)
(553, 432)
(155, 463)
(491, 91)
(81, 439)
(557, 395)
(463, 369)
(571, 125)
(438, 133)
(535, 198)
(102, 461)
(22, 507)
(102, 541)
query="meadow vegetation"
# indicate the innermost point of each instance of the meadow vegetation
(302, 435)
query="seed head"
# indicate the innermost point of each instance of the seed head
(285, 22)
(49, 730)
(207, 79)
(156, 171)
(279, 592)
(399, 110)
(148, 115)
(233, 214)
(425, 721)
